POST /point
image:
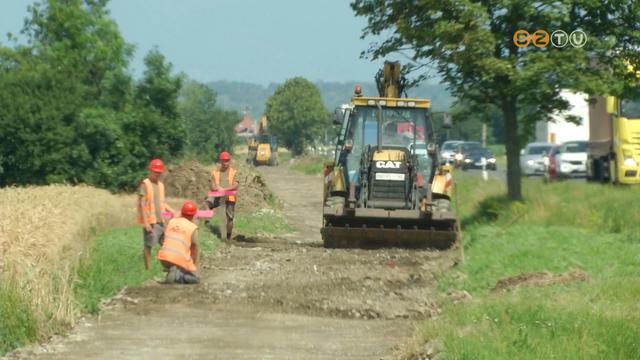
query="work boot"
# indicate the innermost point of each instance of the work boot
(189, 278)
(172, 275)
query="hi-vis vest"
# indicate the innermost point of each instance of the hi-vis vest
(176, 247)
(149, 209)
(215, 176)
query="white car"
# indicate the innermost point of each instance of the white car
(532, 158)
(448, 150)
(571, 159)
(420, 148)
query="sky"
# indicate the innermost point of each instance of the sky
(243, 40)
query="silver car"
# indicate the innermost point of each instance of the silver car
(532, 158)
(448, 150)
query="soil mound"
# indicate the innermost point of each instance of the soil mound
(190, 179)
(541, 278)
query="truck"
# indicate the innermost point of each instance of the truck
(559, 130)
(613, 150)
(387, 186)
(263, 148)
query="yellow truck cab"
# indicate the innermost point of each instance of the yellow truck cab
(613, 153)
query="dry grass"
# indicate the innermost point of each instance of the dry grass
(44, 232)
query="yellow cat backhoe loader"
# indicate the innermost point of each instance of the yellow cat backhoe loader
(386, 187)
(263, 148)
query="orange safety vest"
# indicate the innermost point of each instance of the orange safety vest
(176, 247)
(149, 209)
(215, 176)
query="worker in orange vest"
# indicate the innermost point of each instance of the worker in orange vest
(151, 204)
(179, 252)
(223, 178)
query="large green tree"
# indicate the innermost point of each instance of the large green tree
(297, 114)
(209, 129)
(470, 44)
(78, 39)
(69, 110)
(159, 88)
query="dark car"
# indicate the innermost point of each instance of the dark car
(463, 150)
(476, 158)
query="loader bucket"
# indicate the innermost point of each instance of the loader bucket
(372, 238)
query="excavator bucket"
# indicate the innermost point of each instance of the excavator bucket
(371, 238)
(378, 228)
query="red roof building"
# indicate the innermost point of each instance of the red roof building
(247, 126)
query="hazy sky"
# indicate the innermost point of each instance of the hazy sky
(246, 40)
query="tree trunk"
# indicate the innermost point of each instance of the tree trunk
(512, 144)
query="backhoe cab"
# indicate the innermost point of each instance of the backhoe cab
(382, 189)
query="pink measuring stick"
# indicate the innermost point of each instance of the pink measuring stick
(205, 214)
(221, 193)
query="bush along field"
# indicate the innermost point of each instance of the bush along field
(554, 277)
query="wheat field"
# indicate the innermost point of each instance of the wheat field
(44, 232)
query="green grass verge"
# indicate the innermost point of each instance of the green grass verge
(560, 227)
(284, 157)
(262, 221)
(18, 324)
(115, 261)
(310, 165)
(497, 149)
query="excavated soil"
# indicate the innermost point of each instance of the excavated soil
(269, 298)
(189, 179)
(540, 278)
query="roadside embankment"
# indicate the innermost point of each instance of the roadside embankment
(66, 249)
(555, 276)
(44, 233)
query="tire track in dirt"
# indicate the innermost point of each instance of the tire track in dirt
(272, 298)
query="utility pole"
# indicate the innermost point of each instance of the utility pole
(484, 135)
(447, 123)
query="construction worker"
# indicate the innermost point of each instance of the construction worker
(223, 178)
(179, 251)
(151, 204)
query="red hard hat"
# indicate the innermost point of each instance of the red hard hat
(189, 208)
(225, 156)
(156, 165)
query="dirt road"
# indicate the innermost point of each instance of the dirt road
(269, 298)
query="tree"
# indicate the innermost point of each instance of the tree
(209, 129)
(296, 114)
(67, 102)
(159, 89)
(471, 45)
(79, 39)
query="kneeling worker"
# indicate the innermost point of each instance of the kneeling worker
(179, 252)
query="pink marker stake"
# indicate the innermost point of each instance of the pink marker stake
(221, 193)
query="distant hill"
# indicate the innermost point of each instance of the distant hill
(235, 95)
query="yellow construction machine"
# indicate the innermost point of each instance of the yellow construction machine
(263, 148)
(386, 186)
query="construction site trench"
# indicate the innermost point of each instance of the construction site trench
(281, 297)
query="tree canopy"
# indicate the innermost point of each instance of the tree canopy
(296, 114)
(70, 110)
(471, 45)
(209, 129)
